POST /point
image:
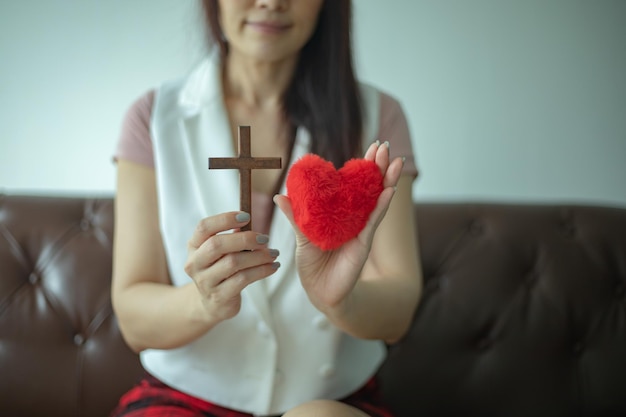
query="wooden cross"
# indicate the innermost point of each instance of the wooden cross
(245, 163)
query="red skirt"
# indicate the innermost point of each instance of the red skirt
(152, 398)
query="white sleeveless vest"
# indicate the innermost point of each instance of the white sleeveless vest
(279, 351)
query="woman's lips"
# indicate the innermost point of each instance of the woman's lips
(268, 27)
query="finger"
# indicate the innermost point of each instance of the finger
(393, 173)
(225, 297)
(213, 225)
(222, 244)
(382, 157)
(382, 205)
(235, 284)
(370, 154)
(233, 263)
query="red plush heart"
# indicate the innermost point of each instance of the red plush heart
(332, 206)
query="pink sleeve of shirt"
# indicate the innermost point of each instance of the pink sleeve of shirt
(135, 142)
(394, 128)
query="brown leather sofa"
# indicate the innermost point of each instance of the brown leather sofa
(523, 313)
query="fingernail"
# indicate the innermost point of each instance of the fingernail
(387, 144)
(242, 217)
(262, 239)
(403, 160)
(274, 253)
(377, 142)
(275, 265)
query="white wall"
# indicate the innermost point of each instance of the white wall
(506, 100)
(69, 70)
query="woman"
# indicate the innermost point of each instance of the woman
(223, 328)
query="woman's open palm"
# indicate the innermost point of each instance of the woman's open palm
(329, 276)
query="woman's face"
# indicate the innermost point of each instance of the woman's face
(268, 30)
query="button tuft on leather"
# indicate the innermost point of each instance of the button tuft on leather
(79, 339)
(569, 230)
(578, 348)
(476, 228)
(484, 343)
(434, 284)
(85, 224)
(33, 278)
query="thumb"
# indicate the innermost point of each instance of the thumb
(384, 200)
(284, 204)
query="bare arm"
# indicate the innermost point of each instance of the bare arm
(383, 302)
(151, 312)
(370, 286)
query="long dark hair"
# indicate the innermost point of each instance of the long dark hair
(323, 95)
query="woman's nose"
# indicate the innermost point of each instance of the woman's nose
(273, 4)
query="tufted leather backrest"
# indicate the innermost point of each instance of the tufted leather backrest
(523, 313)
(61, 353)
